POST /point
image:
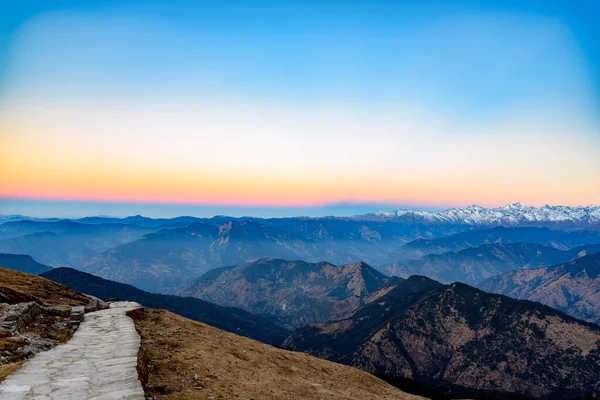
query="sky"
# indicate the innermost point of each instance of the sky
(298, 107)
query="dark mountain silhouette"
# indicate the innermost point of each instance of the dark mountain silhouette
(23, 263)
(227, 318)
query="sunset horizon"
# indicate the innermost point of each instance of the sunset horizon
(300, 199)
(300, 105)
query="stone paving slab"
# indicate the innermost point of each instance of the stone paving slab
(98, 363)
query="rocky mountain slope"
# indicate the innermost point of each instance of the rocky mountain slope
(23, 263)
(516, 214)
(572, 287)
(457, 336)
(296, 292)
(476, 264)
(562, 240)
(184, 360)
(227, 318)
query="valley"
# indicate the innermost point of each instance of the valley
(416, 317)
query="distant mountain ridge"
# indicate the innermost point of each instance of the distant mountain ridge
(516, 214)
(161, 254)
(475, 264)
(64, 243)
(572, 287)
(163, 261)
(296, 292)
(509, 215)
(558, 239)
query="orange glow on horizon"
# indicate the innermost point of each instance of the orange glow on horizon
(72, 160)
(230, 189)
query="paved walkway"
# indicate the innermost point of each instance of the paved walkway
(98, 363)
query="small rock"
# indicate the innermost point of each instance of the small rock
(195, 377)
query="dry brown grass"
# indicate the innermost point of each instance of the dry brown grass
(32, 287)
(8, 369)
(175, 349)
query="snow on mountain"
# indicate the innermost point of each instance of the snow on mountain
(510, 214)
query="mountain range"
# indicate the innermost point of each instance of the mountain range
(177, 358)
(558, 239)
(165, 260)
(296, 292)
(460, 339)
(476, 264)
(450, 339)
(516, 214)
(159, 255)
(572, 287)
(64, 243)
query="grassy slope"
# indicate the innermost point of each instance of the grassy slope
(32, 287)
(175, 349)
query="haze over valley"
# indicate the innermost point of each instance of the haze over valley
(315, 200)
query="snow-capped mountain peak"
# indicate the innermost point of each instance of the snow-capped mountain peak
(510, 214)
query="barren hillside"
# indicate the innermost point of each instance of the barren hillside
(182, 359)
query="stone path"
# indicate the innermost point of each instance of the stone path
(98, 363)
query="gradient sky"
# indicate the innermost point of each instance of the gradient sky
(283, 105)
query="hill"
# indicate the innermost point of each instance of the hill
(23, 263)
(475, 264)
(182, 359)
(227, 318)
(296, 292)
(562, 240)
(64, 243)
(572, 287)
(463, 340)
(27, 287)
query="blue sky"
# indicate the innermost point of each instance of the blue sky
(435, 51)
(298, 105)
